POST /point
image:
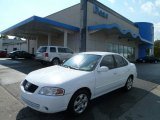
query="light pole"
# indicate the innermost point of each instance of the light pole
(83, 25)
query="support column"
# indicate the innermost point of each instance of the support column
(36, 42)
(83, 25)
(65, 38)
(49, 39)
(28, 43)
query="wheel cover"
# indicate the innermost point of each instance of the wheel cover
(55, 62)
(80, 103)
(129, 83)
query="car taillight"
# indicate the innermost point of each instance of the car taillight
(46, 54)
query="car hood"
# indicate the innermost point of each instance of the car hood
(54, 75)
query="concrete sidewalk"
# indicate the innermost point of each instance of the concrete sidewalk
(147, 108)
(9, 106)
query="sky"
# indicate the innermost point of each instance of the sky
(15, 11)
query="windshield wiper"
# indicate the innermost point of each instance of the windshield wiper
(66, 66)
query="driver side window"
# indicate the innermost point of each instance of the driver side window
(108, 61)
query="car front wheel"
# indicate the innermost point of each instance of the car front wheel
(79, 102)
(129, 84)
(155, 61)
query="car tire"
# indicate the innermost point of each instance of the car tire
(129, 84)
(79, 102)
(155, 61)
(55, 61)
(14, 57)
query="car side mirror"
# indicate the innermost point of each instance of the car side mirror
(103, 69)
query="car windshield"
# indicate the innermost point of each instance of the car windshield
(84, 62)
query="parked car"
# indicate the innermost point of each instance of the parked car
(53, 54)
(148, 59)
(80, 79)
(20, 54)
(3, 53)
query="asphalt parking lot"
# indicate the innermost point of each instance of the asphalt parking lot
(141, 103)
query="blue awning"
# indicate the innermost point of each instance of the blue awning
(35, 24)
(111, 26)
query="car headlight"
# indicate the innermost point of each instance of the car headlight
(50, 91)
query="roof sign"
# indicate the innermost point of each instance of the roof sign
(100, 11)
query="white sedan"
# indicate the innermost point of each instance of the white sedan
(80, 79)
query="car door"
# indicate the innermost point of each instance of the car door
(122, 71)
(52, 53)
(105, 80)
(18, 54)
(24, 54)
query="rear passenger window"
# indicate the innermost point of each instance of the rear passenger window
(61, 50)
(108, 61)
(120, 61)
(52, 49)
(69, 51)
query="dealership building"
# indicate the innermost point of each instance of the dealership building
(106, 31)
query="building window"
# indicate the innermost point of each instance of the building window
(14, 49)
(115, 48)
(126, 51)
(109, 47)
(120, 50)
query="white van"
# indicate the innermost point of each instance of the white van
(53, 54)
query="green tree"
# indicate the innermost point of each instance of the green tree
(4, 36)
(157, 48)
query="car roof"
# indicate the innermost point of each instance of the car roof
(53, 46)
(99, 53)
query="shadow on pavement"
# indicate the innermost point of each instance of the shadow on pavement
(149, 72)
(107, 107)
(22, 65)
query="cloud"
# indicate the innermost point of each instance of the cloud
(147, 7)
(112, 1)
(126, 3)
(151, 8)
(157, 31)
(156, 14)
(133, 1)
(157, 3)
(128, 6)
(131, 9)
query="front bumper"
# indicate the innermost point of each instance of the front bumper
(46, 104)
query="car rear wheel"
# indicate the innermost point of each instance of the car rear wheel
(129, 84)
(55, 61)
(79, 102)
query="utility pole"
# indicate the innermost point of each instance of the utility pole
(83, 25)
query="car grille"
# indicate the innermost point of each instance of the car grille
(31, 104)
(29, 87)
